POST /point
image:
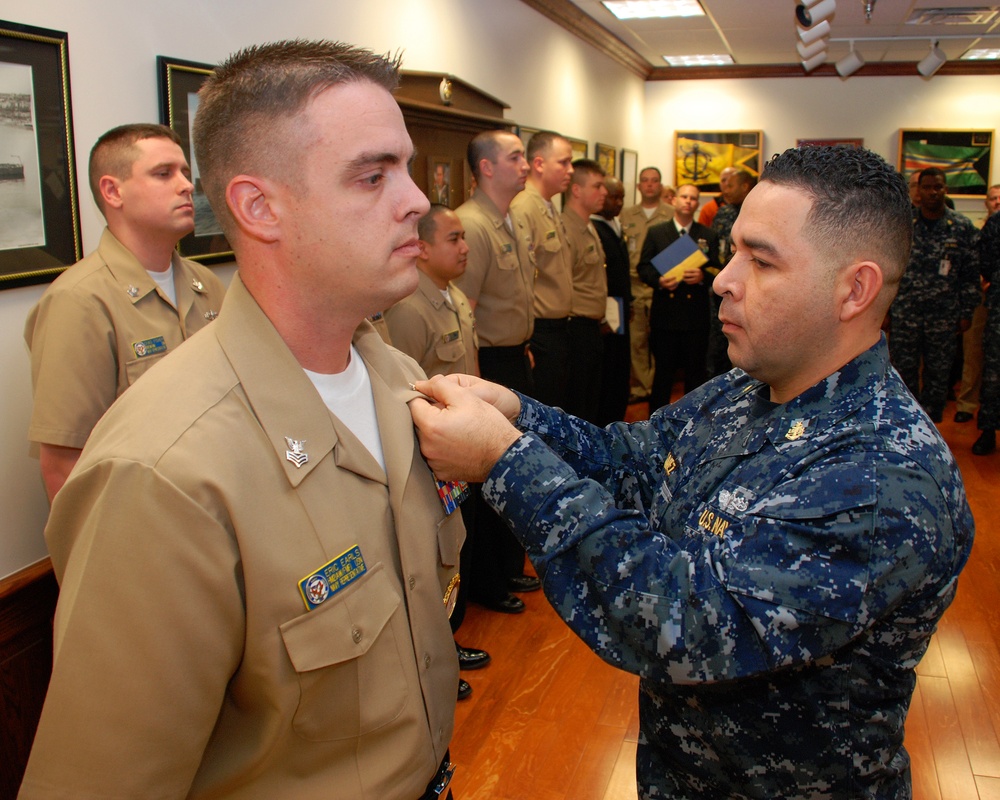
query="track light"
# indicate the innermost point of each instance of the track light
(932, 62)
(810, 64)
(869, 7)
(815, 33)
(850, 63)
(812, 12)
(809, 51)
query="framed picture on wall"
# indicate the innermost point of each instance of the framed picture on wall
(699, 156)
(439, 190)
(964, 155)
(579, 147)
(831, 142)
(40, 223)
(179, 84)
(607, 157)
(525, 134)
(629, 174)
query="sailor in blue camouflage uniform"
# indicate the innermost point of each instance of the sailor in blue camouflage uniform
(772, 553)
(937, 295)
(989, 393)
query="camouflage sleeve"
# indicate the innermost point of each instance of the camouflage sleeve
(809, 566)
(969, 278)
(989, 249)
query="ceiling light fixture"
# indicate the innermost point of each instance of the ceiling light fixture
(707, 60)
(654, 9)
(813, 12)
(815, 33)
(932, 62)
(810, 64)
(981, 53)
(850, 63)
(812, 50)
(869, 7)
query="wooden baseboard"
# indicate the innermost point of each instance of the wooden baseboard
(27, 605)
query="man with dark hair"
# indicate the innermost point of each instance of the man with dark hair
(107, 319)
(636, 220)
(616, 370)
(584, 197)
(550, 163)
(770, 554)
(937, 295)
(252, 554)
(498, 281)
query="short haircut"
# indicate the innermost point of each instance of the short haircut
(692, 185)
(485, 144)
(427, 227)
(745, 178)
(541, 143)
(614, 185)
(248, 104)
(659, 175)
(582, 168)
(932, 172)
(115, 152)
(861, 204)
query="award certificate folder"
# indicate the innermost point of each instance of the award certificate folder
(683, 254)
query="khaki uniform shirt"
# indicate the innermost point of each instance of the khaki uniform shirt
(438, 334)
(634, 226)
(186, 663)
(590, 278)
(98, 327)
(499, 274)
(553, 263)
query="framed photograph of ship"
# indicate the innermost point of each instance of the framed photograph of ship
(964, 155)
(701, 155)
(179, 84)
(39, 208)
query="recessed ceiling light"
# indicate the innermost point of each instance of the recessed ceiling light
(713, 60)
(982, 53)
(648, 9)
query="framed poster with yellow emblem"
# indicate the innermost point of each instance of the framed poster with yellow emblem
(607, 157)
(700, 156)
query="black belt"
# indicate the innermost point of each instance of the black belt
(546, 324)
(439, 783)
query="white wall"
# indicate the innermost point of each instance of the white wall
(786, 109)
(549, 78)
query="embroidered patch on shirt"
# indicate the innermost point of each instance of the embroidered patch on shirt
(451, 336)
(333, 576)
(149, 347)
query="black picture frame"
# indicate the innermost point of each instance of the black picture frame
(965, 155)
(37, 157)
(179, 82)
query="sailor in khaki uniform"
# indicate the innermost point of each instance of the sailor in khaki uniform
(550, 158)
(636, 220)
(254, 559)
(110, 317)
(590, 289)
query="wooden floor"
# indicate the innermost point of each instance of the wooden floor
(548, 720)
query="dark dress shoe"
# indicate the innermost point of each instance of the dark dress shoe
(470, 658)
(505, 605)
(985, 444)
(936, 416)
(963, 416)
(524, 583)
(464, 689)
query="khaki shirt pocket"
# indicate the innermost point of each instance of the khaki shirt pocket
(348, 662)
(450, 352)
(138, 367)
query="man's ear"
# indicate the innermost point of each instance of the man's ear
(862, 284)
(425, 252)
(255, 205)
(110, 189)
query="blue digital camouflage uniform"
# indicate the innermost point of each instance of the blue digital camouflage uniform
(989, 264)
(940, 287)
(772, 572)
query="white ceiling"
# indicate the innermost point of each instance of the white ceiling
(764, 31)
